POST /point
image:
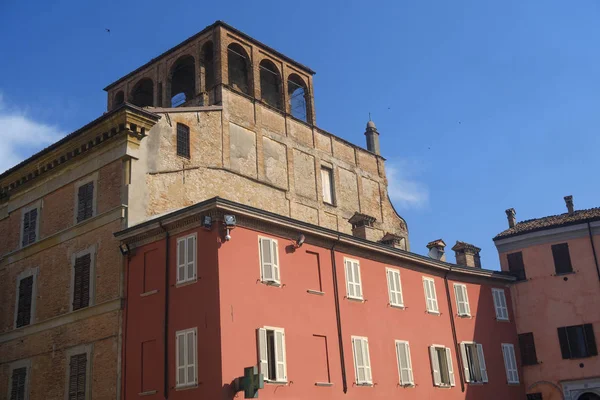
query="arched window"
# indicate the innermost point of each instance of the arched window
(183, 81)
(119, 99)
(209, 65)
(142, 94)
(270, 83)
(238, 66)
(298, 98)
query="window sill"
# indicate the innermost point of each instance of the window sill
(324, 384)
(356, 299)
(276, 382)
(270, 283)
(476, 383)
(564, 273)
(464, 316)
(407, 385)
(502, 320)
(186, 387)
(364, 384)
(148, 393)
(149, 294)
(444, 386)
(398, 306)
(186, 283)
(317, 292)
(329, 204)
(433, 312)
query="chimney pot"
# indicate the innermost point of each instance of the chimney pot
(569, 203)
(467, 254)
(511, 214)
(437, 250)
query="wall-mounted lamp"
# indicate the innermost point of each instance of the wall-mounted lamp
(229, 222)
(124, 247)
(207, 222)
(300, 241)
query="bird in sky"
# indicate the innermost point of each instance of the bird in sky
(107, 30)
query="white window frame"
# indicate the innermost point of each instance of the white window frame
(480, 363)
(501, 310)
(34, 206)
(185, 264)
(411, 379)
(92, 292)
(510, 363)
(91, 178)
(273, 277)
(436, 368)
(26, 274)
(353, 286)
(431, 303)
(364, 348)
(464, 304)
(263, 354)
(73, 351)
(16, 365)
(327, 188)
(394, 293)
(186, 364)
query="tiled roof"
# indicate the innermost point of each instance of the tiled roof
(552, 221)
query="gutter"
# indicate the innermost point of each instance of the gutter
(166, 331)
(593, 248)
(338, 316)
(453, 328)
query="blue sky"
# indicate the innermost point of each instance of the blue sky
(481, 106)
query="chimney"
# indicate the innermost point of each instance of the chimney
(362, 227)
(437, 250)
(569, 203)
(467, 254)
(372, 137)
(511, 214)
(396, 241)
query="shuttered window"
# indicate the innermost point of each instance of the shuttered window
(18, 388)
(562, 258)
(516, 266)
(29, 227)
(500, 304)
(77, 377)
(362, 360)
(327, 182)
(85, 201)
(527, 347)
(271, 354)
(186, 358)
(394, 287)
(473, 361)
(269, 261)
(404, 363)
(183, 140)
(430, 295)
(353, 282)
(462, 300)
(442, 368)
(186, 259)
(510, 363)
(81, 282)
(577, 341)
(25, 301)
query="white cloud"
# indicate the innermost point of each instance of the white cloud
(403, 189)
(22, 136)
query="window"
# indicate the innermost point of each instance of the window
(298, 98)
(510, 363)
(270, 83)
(186, 259)
(527, 346)
(362, 361)
(269, 261)
(85, 201)
(353, 283)
(25, 298)
(500, 304)
(394, 287)
(516, 266)
(441, 366)
(577, 341)
(473, 362)
(30, 227)
(238, 67)
(183, 81)
(534, 396)
(562, 259)
(81, 281)
(209, 65)
(19, 380)
(404, 363)
(183, 140)
(187, 374)
(430, 296)
(327, 182)
(271, 353)
(77, 377)
(462, 300)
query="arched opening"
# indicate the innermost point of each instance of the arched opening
(298, 98)
(238, 65)
(183, 81)
(589, 396)
(118, 99)
(209, 65)
(142, 94)
(270, 83)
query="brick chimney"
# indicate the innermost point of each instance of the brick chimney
(362, 227)
(569, 203)
(372, 137)
(437, 250)
(390, 239)
(467, 254)
(511, 214)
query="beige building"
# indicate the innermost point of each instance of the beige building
(221, 114)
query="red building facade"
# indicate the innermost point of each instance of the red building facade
(332, 317)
